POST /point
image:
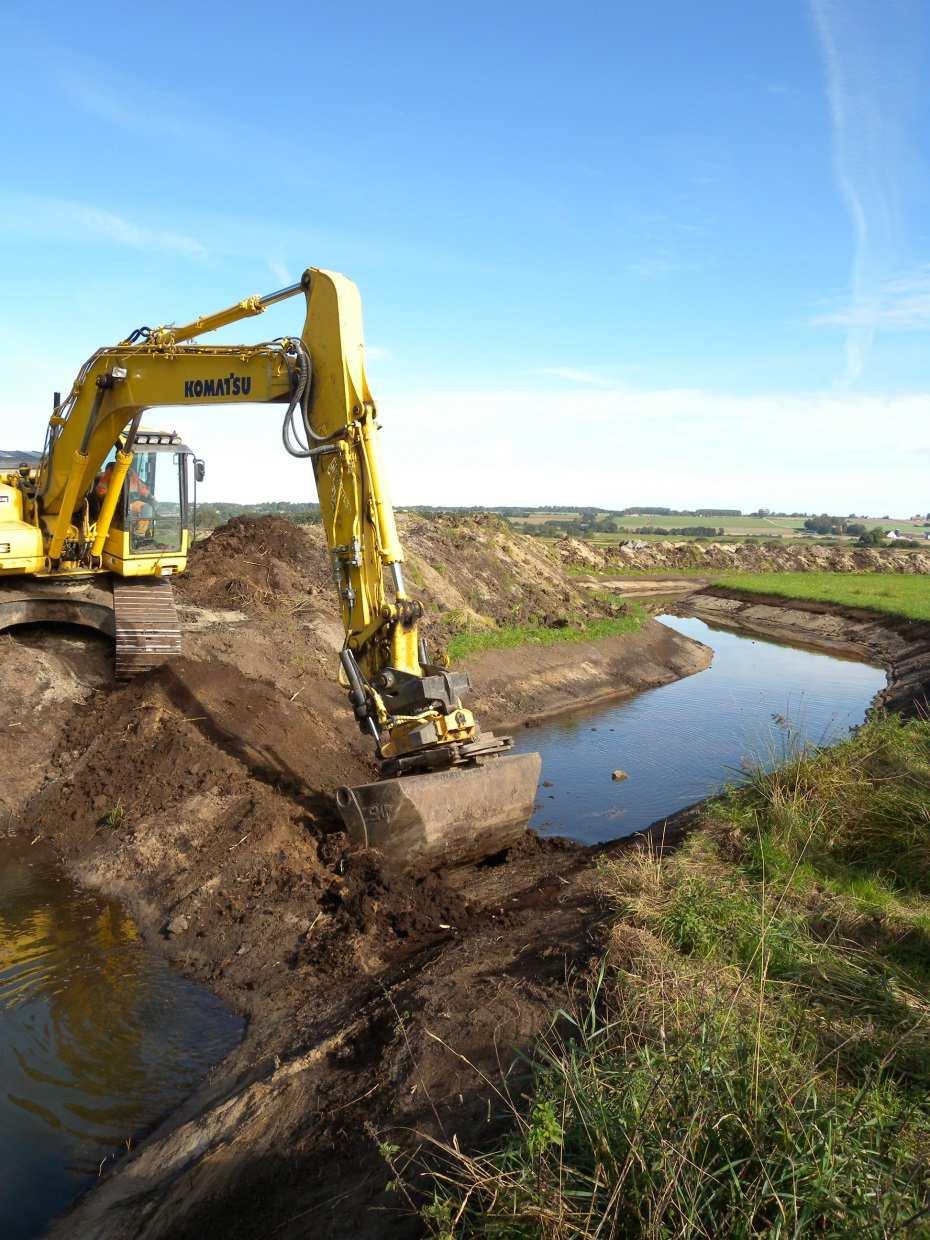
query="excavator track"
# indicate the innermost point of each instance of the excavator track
(148, 632)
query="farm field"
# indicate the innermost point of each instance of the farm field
(732, 527)
(895, 594)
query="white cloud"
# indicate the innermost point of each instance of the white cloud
(685, 448)
(871, 59)
(571, 375)
(376, 353)
(280, 272)
(901, 304)
(842, 452)
(65, 221)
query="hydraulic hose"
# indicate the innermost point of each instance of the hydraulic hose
(300, 399)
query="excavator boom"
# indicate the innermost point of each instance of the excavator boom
(449, 793)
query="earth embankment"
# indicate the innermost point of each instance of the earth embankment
(901, 646)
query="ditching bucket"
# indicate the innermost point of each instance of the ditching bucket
(444, 818)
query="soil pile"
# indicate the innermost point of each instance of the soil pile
(251, 562)
(750, 557)
(201, 797)
(480, 564)
(468, 572)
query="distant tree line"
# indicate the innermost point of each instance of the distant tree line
(642, 511)
(209, 516)
(825, 524)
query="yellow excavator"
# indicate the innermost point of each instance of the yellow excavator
(93, 529)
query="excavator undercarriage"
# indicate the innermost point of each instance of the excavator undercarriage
(140, 616)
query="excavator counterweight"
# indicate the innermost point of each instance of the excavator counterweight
(94, 529)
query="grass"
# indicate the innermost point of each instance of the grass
(505, 637)
(896, 594)
(753, 1055)
(730, 525)
(115, 817)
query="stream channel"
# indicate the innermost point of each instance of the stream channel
(756, 704)
(99, 1038)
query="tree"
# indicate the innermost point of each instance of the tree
(873, 537)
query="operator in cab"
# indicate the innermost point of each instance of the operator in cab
(140, 493)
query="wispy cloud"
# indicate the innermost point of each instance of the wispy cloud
(279, 271)
(571, 375)
(900, 304)
(154, 114)
(377, 353)
(871, 58)
(662, 263)
(62, 220)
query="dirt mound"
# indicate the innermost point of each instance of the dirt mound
(476, 572)
(773, 556)
(252, 562)
(209, 791)
(468, 572)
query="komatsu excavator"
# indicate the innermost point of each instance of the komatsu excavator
(93, 530)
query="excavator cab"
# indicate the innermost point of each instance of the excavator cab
(152, 526)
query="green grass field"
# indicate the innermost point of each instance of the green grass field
(892, 593)
(775, 526)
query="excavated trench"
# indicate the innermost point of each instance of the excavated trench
(376, 1006)
(758, 702)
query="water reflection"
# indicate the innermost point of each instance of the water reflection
(684, 741)
(98, 1038)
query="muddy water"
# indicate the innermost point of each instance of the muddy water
(756, 703)
(98, 1038)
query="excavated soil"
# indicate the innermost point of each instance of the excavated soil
(769, 557)
(381, 1006)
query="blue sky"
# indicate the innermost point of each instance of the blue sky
(609, 253)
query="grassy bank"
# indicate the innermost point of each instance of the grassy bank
(893, 593)
(504, 637)
(753, 1057)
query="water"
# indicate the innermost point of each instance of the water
(685, 741)
(98, 1037)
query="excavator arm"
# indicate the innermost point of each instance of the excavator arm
(411, 708)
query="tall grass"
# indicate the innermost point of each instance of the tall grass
(753, 1056)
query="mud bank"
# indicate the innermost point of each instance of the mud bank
(901, 646)
(516, 687)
